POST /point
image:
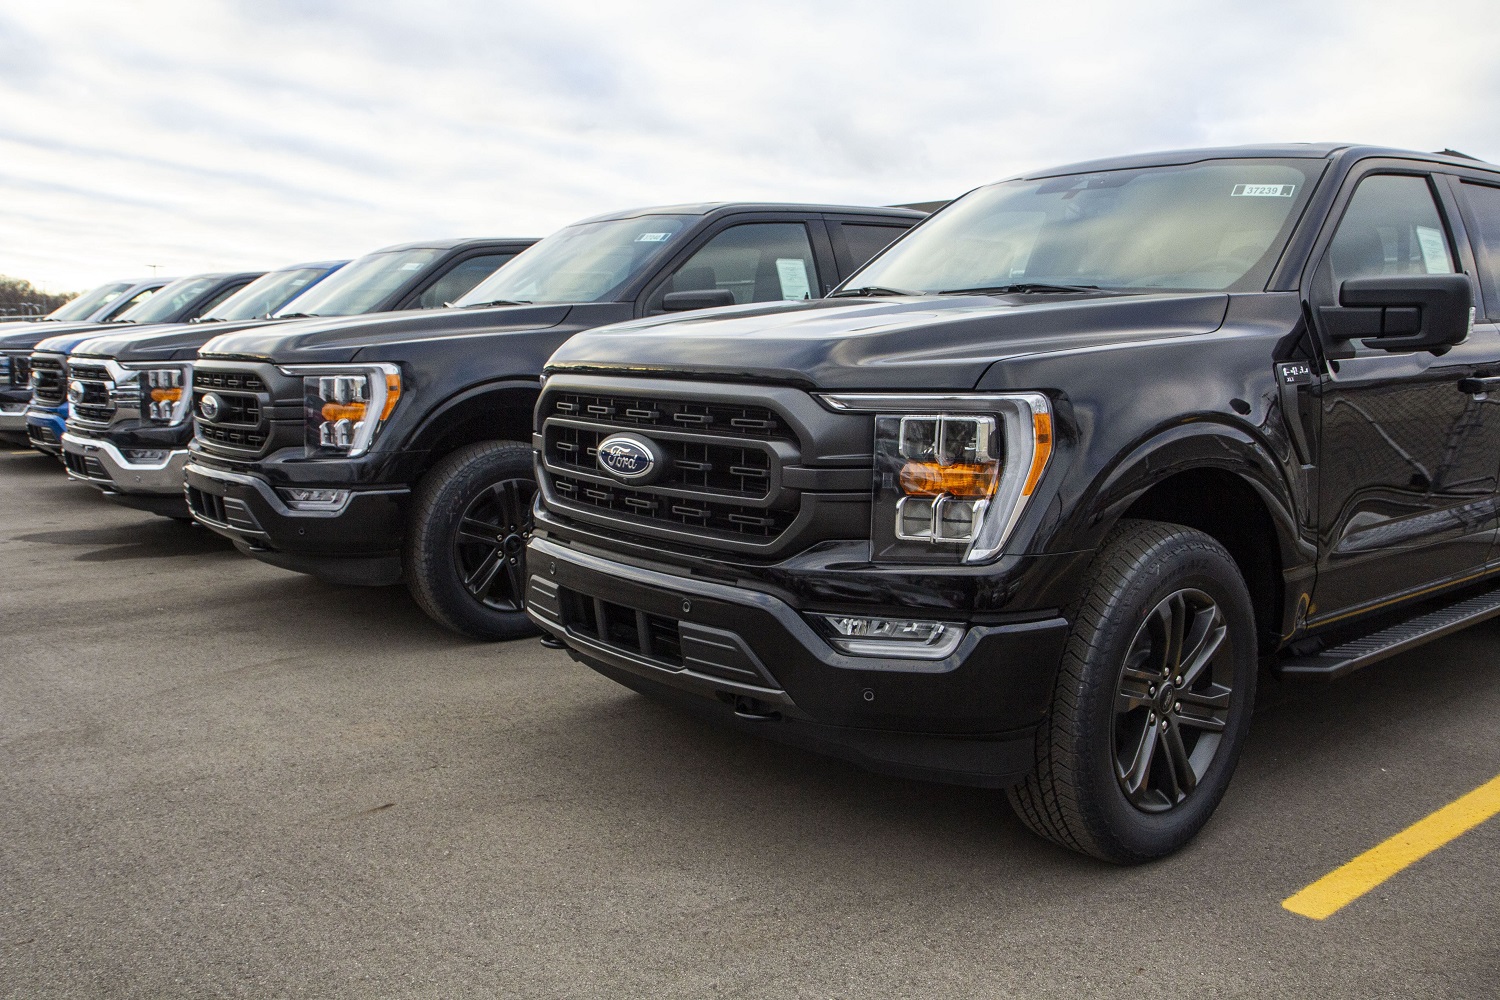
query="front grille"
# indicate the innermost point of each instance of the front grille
(706, 466)
(723, 519)
(224, 511)
(100, 398)
(20, 371)
(640, 413)
(653, 636)
(49, 385)
(246, 381)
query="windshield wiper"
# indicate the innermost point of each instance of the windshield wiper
(1028, 288)
(295, 316)
(869, 291)
(497, 302)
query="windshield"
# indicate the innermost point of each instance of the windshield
(168, 302)
(90, 302)
(362, 285)
(265, 294)
(583, 263)
(1206, 226)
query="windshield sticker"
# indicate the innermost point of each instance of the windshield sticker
(1263, 191)
(411, 266)
(1434, 250)
(793, 274)
(653, 237)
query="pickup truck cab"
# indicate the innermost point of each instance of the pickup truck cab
(132, 445)
(1025, 502)
(175, 302)
(19, 339)
(392, 447)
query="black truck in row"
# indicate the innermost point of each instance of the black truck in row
(1027, 501)
(130, 415)
(398, 446)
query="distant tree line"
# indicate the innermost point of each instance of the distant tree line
(19, 297)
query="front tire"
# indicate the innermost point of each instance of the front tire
(1152, 700)
(465, 555)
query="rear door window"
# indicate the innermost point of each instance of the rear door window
(863, 242)
(1481, 204)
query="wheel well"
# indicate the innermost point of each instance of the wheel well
(1224, 507)
(501, 415)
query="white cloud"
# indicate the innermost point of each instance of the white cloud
(204, 135)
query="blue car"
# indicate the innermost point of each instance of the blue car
(176, 302)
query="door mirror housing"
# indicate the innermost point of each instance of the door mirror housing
(1421, 312)
(701, 298)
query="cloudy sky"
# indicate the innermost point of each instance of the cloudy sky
(218, 134)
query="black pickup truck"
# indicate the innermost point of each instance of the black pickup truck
(370, 450)
(1026, 502)
(129, 426)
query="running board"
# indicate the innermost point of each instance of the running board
(1334, 663)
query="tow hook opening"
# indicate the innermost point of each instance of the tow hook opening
(753, 708)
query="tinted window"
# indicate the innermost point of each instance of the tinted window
(1483, 203)
(460, 280)
(864, 242)
(264, 294)
(362, 285)
(757, 262)
(89, 302)
(1391, 226)
(587, 262)
(1204, 226)
(164, 306)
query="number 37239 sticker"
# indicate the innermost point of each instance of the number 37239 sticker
(1263, 191)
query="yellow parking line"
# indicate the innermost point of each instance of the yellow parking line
(1343, 886)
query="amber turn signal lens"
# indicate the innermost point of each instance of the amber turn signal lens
(392, 393)
(1042, 424)
(166, 395)
(926, 479)
(333, 412)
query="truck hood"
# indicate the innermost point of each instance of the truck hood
(160, 342)
(341, 339)
(934, 342)
(25, 336)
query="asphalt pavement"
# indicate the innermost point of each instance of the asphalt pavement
(223, 779)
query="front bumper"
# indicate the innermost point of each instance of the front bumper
(44, 427)
(750, 659)
(153, 486)
(12, 418)
(358, 543)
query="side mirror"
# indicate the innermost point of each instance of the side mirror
(702, 298)
(1421, 312)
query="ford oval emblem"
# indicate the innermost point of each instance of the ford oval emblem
(75, 391)
(208, 406)
(629, 457)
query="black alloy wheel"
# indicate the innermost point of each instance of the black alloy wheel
(1152, 700)
(465, 554)
(1172, 702)
(489, 547)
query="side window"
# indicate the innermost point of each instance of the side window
(456, 283)
(1483, 204)
(1391, 226)
(208, 304)
(757, 261)
(131, 302)
(864, 242)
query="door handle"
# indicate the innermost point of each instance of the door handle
(1478, 386)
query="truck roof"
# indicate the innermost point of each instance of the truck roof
(451, 244)
(1289, 150)
(715, 207)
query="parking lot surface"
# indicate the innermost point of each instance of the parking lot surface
(221, 778)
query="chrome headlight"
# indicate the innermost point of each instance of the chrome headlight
(345, 405)
(953, 472)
